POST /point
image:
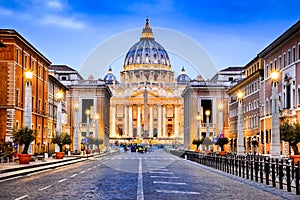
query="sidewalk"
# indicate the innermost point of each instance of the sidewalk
(14, 169)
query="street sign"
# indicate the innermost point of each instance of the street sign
(84, 140)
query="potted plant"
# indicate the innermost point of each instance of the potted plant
(61, 140)
(291, 133)
(221, 142)
(24, 136)
(197, 143)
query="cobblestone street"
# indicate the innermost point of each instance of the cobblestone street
(155, 175)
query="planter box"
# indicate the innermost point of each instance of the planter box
(24, 158)
(59, 155)
(296, 158)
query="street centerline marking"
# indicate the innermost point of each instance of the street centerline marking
(62, 180)
(74, 175)
(44, 188)
(160, 172)
(176, 192)
(22, 197)
(82, 172)
(140, 192)
(164, 176)
(171, 183)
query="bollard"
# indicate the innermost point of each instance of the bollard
(185, 157)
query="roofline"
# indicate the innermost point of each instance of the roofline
(14, 33)
(292, 30)
(57, 81)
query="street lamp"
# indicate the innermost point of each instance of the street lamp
(28, 103)
(275, 138)
(240, 134)
(96, 124)
(207, 113)
(59, 97)
(198, 125)
(28, 100)
(87, 112)
(220, 126)
(76, 128)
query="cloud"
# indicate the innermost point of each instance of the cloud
(55, 5)
(5, 12)
(62, 22)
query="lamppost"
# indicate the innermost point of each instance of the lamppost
(275, 138)
(240, 134)
(28, 100)
(96, 125)
(28, 103)
(76, 128)
(59, 96)
(198, 126)
(220, 126)
(87, 112)
(96, 129)
(207, 113)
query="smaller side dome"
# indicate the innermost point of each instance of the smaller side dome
(110, 78)
(183, 78)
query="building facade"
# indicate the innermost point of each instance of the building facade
(146, 105)
(206, 108)
(87, 105)
(17, 57)
(250, 88)
(282, 55)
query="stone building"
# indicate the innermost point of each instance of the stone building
(250, 88)
(283, 55)
(82, 95)
(206, 107)
(17, 57)
(146, 104)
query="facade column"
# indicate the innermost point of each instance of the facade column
(240, 133)
(126, 121)
(139, 122)
(275, 131)
(151, 121)
(113, 121)
(130, 133)
(159, 130)
(176, 121)
(164, 121)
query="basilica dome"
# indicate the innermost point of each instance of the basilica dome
(147, 51)
(110, 78)
(183, 78)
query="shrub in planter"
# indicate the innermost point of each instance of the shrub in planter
(61, 140)
(24, 136)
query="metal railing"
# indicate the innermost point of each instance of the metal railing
(280, 173)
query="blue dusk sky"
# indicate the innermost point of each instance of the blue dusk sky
(232, 32)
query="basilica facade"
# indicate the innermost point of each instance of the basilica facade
(146, 103)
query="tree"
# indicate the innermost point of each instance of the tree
(62, 140)
(197, 142)
(221, 142)
(24, 136)
(207, 142)
(290, 133)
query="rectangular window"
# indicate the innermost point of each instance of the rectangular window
(299, 51)
(289, 57)
(17, 56)
(298, 97)
(17, 98)
(284, 60)
(275, 64)
(279, 64)
(294, 54)
(39, 106)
